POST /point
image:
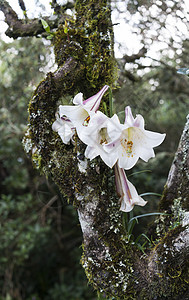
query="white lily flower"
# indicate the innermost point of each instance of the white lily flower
(64, 127)
(80, 113)
(126, 191)
(132, 141)
(95, 136)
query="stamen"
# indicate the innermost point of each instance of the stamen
(127, 145)
(103, 136)
(86, 121)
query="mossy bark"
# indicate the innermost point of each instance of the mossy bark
(113, 264)
(178, 180)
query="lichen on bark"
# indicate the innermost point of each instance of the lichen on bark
(178, 179)
(88, 39)
(78, 53)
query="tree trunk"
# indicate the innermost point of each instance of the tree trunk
(112, 262)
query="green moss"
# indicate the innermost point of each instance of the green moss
(171, 218)
(88, 40)
(172, 267)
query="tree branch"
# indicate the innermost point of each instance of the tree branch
(157, 273)
(19, 28)
(59, 9)
(22, 5)
(178, 179)
(112, 261)
(132, 58)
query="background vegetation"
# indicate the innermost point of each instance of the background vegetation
(40, 239)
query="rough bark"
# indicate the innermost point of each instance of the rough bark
(112, 262)
(178, 180)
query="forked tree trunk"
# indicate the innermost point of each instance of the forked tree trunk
(113, 263)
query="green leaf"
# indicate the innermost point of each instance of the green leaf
(110, 102)
(131, 225)
(147, 215)
(45, 25)
(105, 109)
(142, 235)
(100, 296)
(49, 37)
(65, 30)
(120, 112)
(149, 194)
(143, 171)
(140, 248)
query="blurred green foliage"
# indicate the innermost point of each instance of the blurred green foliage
(40, 237)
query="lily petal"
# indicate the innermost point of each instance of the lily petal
(83, 110)
(93, 102)
(95, 136)
(65, 133)
(130, 141)
(78, 99)
(139, 122)
(126, 191)
(129, 119)
(75, 113)
(90, 152)
(64, 127)
(127, 163)
(155, 138)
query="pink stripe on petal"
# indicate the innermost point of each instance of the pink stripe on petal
(96, 99)
(125, 187)
(139, 122)
(126, 191)
(128, 116)
(112, 145)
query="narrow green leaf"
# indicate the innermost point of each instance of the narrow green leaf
(148, 215)
(149, 194)
(144, 171)
(45, 25)
(131, 225)
(141, 248)
(65, 30)
(50, 37)
(105, 109)
(144, 235)
(121, 112)
(110, 102)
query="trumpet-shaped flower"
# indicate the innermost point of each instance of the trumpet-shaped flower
(79, 113)
(64, 127)
(95, 136)
(126, 191)
(132, 141)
